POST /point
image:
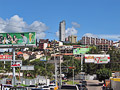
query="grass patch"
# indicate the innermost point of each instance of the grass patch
(23, 85)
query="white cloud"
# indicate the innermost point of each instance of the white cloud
(68, 32)
(114, 37)
(17, 24)
(75, 25)
(38, 27)
(57, 33)
(105, 36)
(90, 35)
(71, 31)
(14, 24)
(2, 25)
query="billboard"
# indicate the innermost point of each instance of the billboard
(27, 68)
(17, 39)
(97, 58)
(89, 58)
(5, 57)
(80, 50)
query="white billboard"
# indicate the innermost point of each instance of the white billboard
(89, 58)
(27, 68)
(97, 58)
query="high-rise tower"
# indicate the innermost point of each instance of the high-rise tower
(62, 31)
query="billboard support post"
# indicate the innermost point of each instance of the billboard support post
(14, 67)
(60, 74)
(81, 62)
(4, 64)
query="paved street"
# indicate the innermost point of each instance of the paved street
(94, 85)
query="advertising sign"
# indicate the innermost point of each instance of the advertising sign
(17, 39)
(89, 58)
(17, 63)
(80, 50)
(5, 57)
(27, 68)
(97, 58)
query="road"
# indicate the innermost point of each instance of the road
(94, 85)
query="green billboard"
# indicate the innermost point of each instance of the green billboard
(80, 50)
(16, 39)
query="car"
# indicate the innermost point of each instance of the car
(46, 88)
(69, 87)
(52, 86)
(84, 83)
(18, 88)
(81, 80)
(6, 86)
(82, 87)
(37, 89)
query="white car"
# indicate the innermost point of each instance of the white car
(69, 87)
(46, 88)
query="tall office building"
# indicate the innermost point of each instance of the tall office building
(62, 31)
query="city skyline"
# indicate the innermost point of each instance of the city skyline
(92, 18)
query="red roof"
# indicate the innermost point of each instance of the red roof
(18, 53)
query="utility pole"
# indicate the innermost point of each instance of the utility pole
(4, 64)
(73, 69)
(60, 73)
(14, 67)
(55, 65)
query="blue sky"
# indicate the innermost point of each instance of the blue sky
(92, 17)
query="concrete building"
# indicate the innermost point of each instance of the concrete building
(72, 39)
(43, 43)
(55, 44)
(95, 41)
(101, 43)
(62, 31)
(116, 44)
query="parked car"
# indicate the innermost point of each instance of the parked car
(18, 88)
(69, 87)
(52, 86)
(46, 88)
(37, 89)
(82, 87)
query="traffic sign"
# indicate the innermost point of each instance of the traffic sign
(16, 63)
(72, 67)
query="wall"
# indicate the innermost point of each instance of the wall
(115, 83)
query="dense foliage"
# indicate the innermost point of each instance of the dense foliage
(103, 74)
(45, 69)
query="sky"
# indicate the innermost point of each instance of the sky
(93, 18)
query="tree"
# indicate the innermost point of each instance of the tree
(70, 61)
(103, 74)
